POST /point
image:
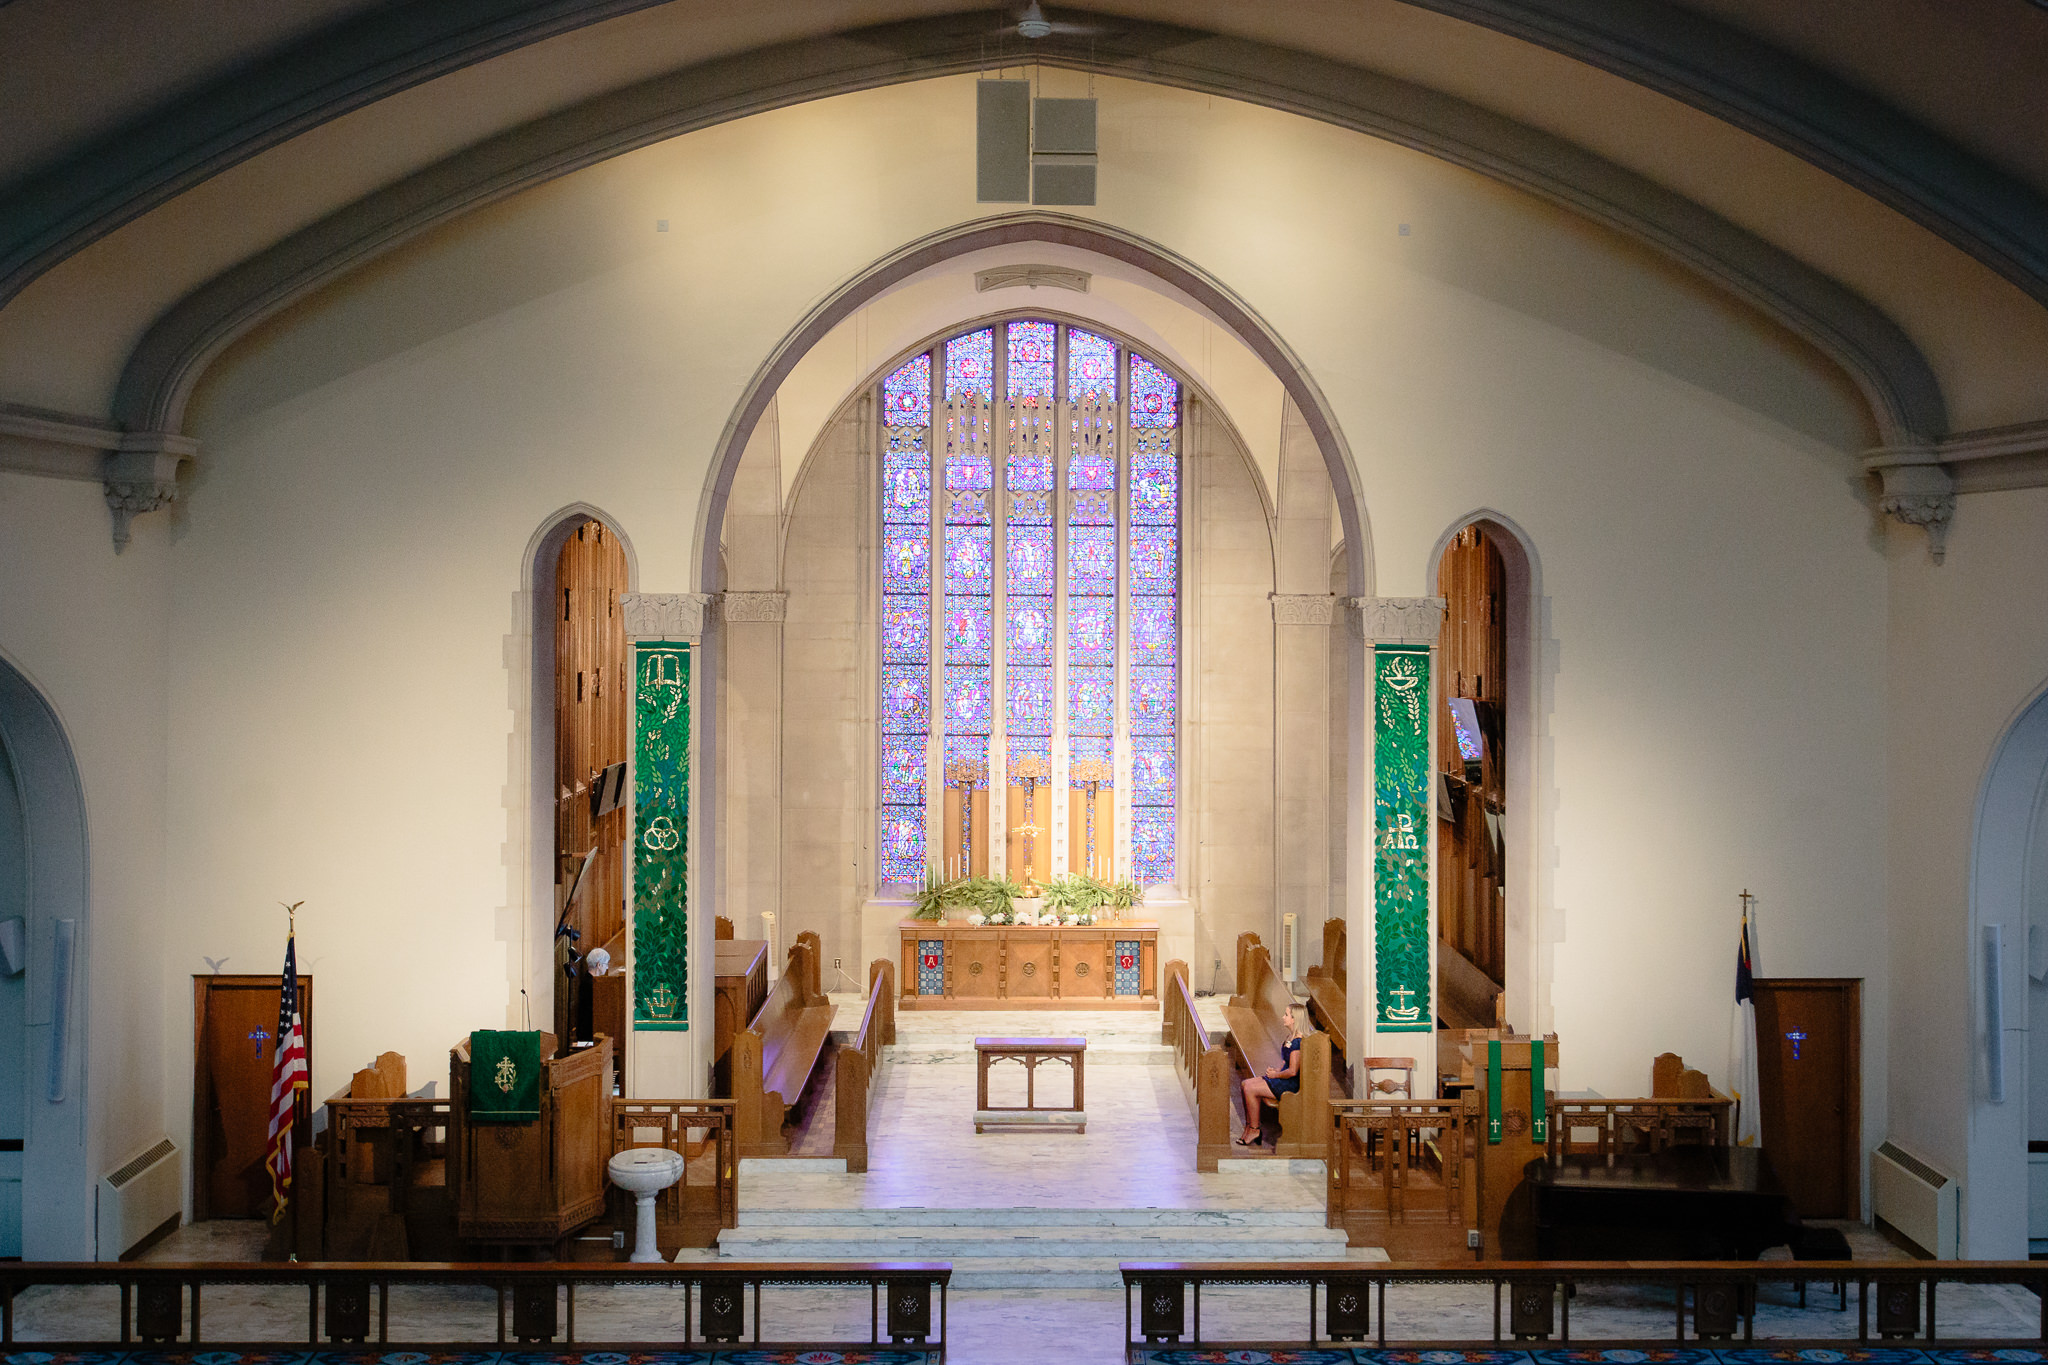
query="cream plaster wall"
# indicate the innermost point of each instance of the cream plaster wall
(1968, 653)
(90, 632)
(346, 636)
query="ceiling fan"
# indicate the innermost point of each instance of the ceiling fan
(1033, 24)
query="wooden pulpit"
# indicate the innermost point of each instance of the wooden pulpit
(1506, 1070)
(534, 1183)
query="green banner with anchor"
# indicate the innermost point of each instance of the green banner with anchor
(1402, 800)
(661, 825)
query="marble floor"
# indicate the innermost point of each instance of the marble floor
(1035, 1196)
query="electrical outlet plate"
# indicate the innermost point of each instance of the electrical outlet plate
(835, 964)
(618, 1239)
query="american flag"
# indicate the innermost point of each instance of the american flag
(288, 1076)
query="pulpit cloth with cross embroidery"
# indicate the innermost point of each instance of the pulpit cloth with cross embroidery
(504, 1076)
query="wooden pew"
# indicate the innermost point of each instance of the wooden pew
(1256, 1036)
(1204, 1065)
(1327, 1001)
(859, 1066)
(775, 1057)
(383, 1172)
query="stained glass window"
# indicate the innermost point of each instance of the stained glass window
(1031, 346)
(1091, 587)
(1039, 555)
(968, 617)
(1091, 368)
(1154, 676)
(971, 365)
(906, 695)
(1155, 395)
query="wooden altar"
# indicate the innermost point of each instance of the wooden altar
(1103, 966)
(534, 1183)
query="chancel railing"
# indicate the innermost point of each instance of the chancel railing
(1712, 1301)
(1610, 1128)
(706, 1199)
(715, 1301)
(859, 1067)
(1203, 1064)
(1400, 1175)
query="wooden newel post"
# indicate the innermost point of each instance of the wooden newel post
(1514, 1127)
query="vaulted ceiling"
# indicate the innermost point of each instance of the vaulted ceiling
(172, 172)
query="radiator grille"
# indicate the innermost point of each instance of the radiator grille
(141, 1163)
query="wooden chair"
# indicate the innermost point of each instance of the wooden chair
(722, 928)
(1397, 1083)
(775, 1057)
(1389, 1086)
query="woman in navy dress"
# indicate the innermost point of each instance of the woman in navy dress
(1283, 1080)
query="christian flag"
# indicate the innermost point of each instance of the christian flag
(1742, 1052)
(288, 1076)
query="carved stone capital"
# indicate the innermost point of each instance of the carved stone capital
(1917, 490)
(665, 615)
(771, 607)
(141, 475)
(1303, 609)
(1399, 620)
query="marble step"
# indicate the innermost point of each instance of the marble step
(933, 1052)
(1048, 1256)
(1194, 1219)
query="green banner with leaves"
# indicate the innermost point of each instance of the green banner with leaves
(661, 844)
(1401, 819)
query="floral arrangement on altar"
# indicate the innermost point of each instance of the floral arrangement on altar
(986, 899)
(1069, 899)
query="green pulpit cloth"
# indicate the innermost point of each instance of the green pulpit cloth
(504, 1077)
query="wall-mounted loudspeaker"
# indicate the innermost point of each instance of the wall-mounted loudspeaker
(1994, 1013)
(63, 952)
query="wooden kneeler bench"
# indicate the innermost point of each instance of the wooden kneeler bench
(1256, 1037)
(775, 1058)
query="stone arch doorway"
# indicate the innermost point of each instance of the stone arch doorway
(42, 1029)
(1171, 274)
(2008, 895)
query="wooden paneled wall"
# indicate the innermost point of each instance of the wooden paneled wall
(1472, 654)
(593, 709)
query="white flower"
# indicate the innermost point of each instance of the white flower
(977, 918)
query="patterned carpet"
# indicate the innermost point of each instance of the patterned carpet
(1595, 1355)
(706, 1355)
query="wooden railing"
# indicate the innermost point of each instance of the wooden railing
(860, 1064)
(1636, 1125)
(1204, 1065)
(1714, 1300)
(1398, 1174)
(721, 1300)
(690, 1212)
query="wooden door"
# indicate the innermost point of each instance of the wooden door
(233, 1051)
(1809, 1049)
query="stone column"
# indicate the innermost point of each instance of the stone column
(1393, 963)
(667, 1062)
(1302, 613)
(751, 612)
